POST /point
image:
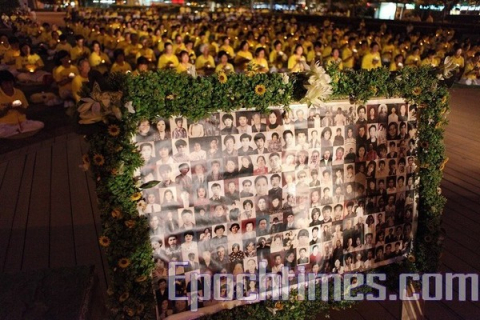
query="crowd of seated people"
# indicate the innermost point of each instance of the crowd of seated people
(136, 41)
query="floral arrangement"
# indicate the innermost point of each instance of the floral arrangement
(112, 159)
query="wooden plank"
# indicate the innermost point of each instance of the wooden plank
(9, 192)
(62, 245)
(86, 241)
(102, 273)
(461, 202)
(37, 239)
(3, 169)
(16, 239)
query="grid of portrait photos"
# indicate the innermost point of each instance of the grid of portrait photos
(330, 189)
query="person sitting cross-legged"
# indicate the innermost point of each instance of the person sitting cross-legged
(12, 109)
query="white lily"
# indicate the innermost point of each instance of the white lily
(285, 78)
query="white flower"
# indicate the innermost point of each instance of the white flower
(99, 105)
(319, 87)
(281, 91)
(318, 73)
(129, 107)
(285, 78)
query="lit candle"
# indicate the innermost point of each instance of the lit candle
(71, 75)
(103, 61)
(31, 70)
(16, 103)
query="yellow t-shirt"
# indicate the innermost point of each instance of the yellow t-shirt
(13, 116)
(460, 61)
(77, 84)
(11, 56)
(294, 65)
(228, 49)
(95, 59)
(224, 68)
(32, 61)
(260, 64)
(61, 73)
(367, 61)
(4, 49)
(77, 52)
(165, 60)
(67, 47)
(347, 58)
(338, 62)
(201, 62)
(121, 68)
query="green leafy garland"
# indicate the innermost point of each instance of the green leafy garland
(113, 160)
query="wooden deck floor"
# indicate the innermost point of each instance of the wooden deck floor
(49, 217)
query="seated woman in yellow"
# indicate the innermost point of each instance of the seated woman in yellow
(297, 62)
(52, 43)
(168, 60)
(431, 59)
(120, 65)
(277, 58)
(223, 65)
(457, 57)
(227, 48)
(472, 70)
(99, 60)
(80, 50)
(146, 51)
(63, 44)
(334, 59)
(244, 56)
(81, 78)
(12, 109)
(64, 74)
(142, 66)
(29, 65)
(4, 45)
(259, 63)
(10, 56)
(185, 66)
(388, 51)
(397, 63)
(205, 61)
(413, 59)
(372, 60)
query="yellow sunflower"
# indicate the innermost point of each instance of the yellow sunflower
(444, 99)
(442, 166)
(279, 306)
(104, 241)
(141, 278)
(130, 223)
(130, 312)
(260, 89)
(136, 196)
(124, 297)
(417, 91)
(374, 90)
(428, 239)
(113, 130)
(222, 77)
(110, 291)
(140, 308)
(411, 258)
(86, 158)
(114, 172)
(124, 263)
(116, 213)
(98, 160)
(118, 148)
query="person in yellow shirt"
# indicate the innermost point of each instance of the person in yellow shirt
(4, 45)
(205, 62)
(388, 51)
(297, 62)
(29, 66)
(277, 58)
(227, 47)
(63, 44)
(397, 63)
(334, 59)
(142, 66)
(64, 74)
(185, 66)
(12, 109)
(178, 46)
(120, 65)
(259, 63)
(431, 59)
(81, 78)
(191, 52)
(244, 56)
(146, 51)
(99, 60)
(472, 70)
(349, 54)
(132, 49)
(372, 59)
(80, 50)
(10, 57)
(223, 65)
(168, 59)
(414, 59)
(457, 57)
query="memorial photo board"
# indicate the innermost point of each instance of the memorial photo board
(323, 189)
